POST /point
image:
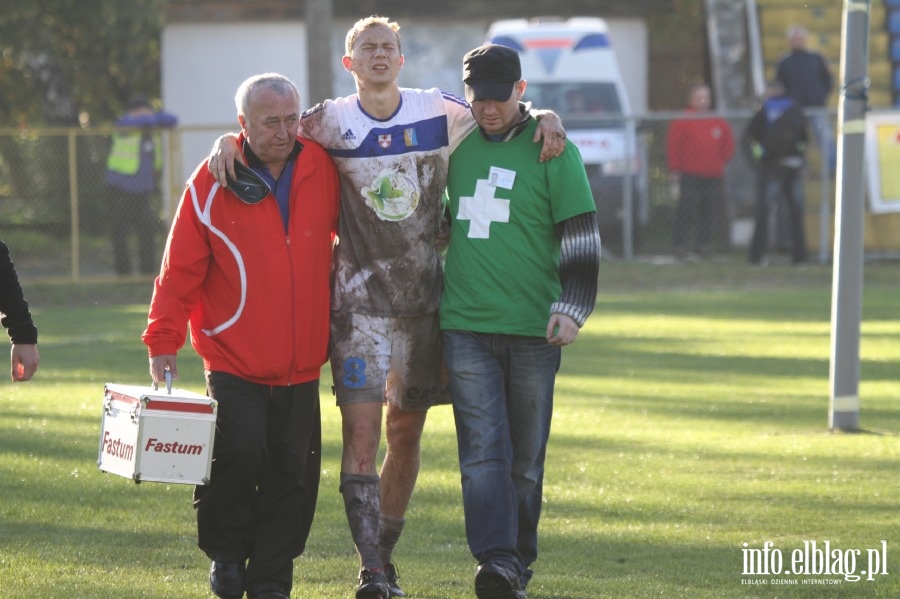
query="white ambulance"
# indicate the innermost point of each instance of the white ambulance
(570, 68)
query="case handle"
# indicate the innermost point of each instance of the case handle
(168, 382)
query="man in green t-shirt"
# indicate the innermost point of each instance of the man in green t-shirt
(520, 280)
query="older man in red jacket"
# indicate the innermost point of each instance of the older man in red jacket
(250, 273)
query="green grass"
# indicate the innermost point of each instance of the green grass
(691, 419)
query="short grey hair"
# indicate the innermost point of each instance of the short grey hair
(796, 29)
(279, 84)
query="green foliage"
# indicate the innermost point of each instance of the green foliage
(68, 62)
(691, 418)
(63, 59)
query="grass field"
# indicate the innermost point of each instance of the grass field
(690, 430)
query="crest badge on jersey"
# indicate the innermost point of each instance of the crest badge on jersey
(393, 195)
(384, 141)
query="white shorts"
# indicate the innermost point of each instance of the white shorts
(387, 360)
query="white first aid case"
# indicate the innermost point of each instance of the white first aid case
(157, 435)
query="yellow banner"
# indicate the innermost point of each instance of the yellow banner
(888, 137)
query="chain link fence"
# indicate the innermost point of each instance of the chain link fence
(56, 216)
(59, 217)
(731, 218)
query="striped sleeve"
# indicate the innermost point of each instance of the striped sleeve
(579, 266)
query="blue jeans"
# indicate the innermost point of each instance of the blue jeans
(502, 390)
(776, 183)
(822, 125)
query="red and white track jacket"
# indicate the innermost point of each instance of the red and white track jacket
(257, 298)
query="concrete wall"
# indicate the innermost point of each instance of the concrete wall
(203, 64)
(433, 53)
(629, 38)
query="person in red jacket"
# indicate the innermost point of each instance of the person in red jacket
(250, 274)
(699, 147)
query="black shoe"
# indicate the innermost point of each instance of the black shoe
(226, 579)
(373, 585)
(494, 580)
(390, 572)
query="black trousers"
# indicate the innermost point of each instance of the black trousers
(779, 184)
(698, 201)
(260, 501)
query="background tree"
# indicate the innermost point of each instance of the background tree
(68, 61)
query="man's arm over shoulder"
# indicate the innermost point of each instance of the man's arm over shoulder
(460, 121)
(318, 122)
(551, 132)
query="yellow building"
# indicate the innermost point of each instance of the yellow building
(824, 20)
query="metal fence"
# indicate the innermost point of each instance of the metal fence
(55, 207)
(55, 216)
(731, 222)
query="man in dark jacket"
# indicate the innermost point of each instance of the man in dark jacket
(778, 132)
(806, 77)
(17, 321)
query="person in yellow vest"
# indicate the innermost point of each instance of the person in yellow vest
(132, 171)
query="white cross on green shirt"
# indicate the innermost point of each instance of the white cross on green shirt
(483, 209)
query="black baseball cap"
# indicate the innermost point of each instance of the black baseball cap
(489, 72)
(138, 101)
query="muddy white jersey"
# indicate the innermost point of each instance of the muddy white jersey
(393, 176)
